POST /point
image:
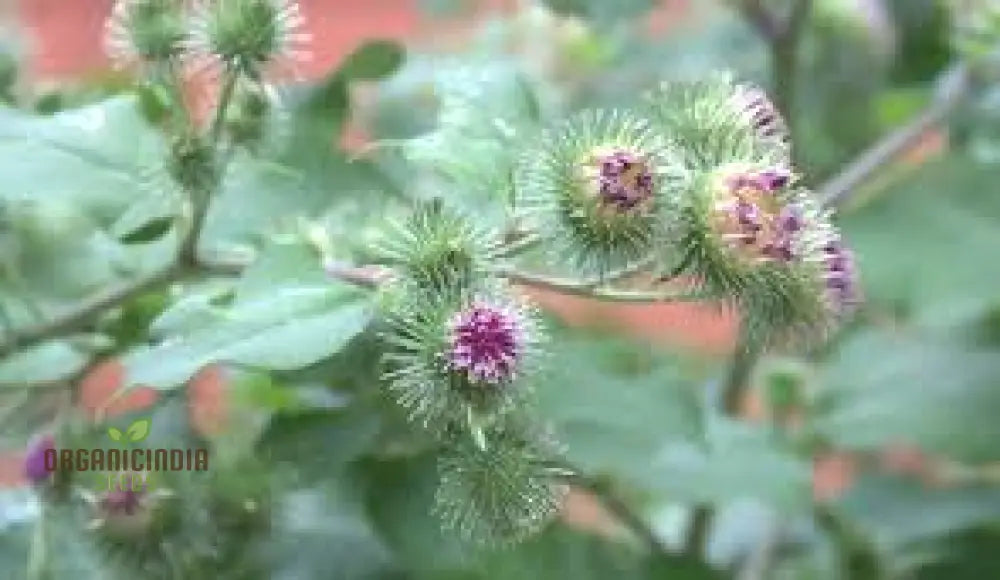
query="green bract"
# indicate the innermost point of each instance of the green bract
(593, 188)
(500, 494)
(437, 248)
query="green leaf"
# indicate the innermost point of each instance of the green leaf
(115, 434)
(617, 404)
(400, 493)
(320, 444)
(932, 282)
(138, 430)
(735, 462)
(884, 389)
(373, 60)
(95, 158)
(323, 533)
(884, 506)
(291, 328)
(151, 231)
(46, 363)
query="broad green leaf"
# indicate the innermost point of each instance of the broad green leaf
(735, 461)
(323, 533)
(115, 434)
(291, 328)
(574, 554)
(319, 444)
(886, 508)
(923, 247)
(885, 389)
(617, 405)
(96, 158)
(400, 493)
(46, 363)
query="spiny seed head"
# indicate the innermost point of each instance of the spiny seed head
(484, 343)
(592, 187)
(245, 35)
(501, 494)
(34, 459)
(144, 32)
(192, 163)
(437, 248)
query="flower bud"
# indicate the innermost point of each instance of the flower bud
(437, 249)
(192, 163)
(254, 115)
(593, 188)
(144, 32)
(244, 35)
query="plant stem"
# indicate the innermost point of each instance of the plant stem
(738, 377)
(85, 311)
(225, 97)
(839, 188)
(591, 289)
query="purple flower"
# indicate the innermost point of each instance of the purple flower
(623, 181)
(34, 460)
(485, 342)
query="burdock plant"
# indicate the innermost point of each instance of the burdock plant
(692, 187)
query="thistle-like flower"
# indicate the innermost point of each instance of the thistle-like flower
(461, 360)
(145, 33)
(593, 188)
(34, 459)
(752, 219)
(484, 342)
(248, 35)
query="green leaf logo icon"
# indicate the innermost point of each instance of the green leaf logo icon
(115, 434)
(139, 430)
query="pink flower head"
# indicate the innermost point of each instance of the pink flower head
(485, 342)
